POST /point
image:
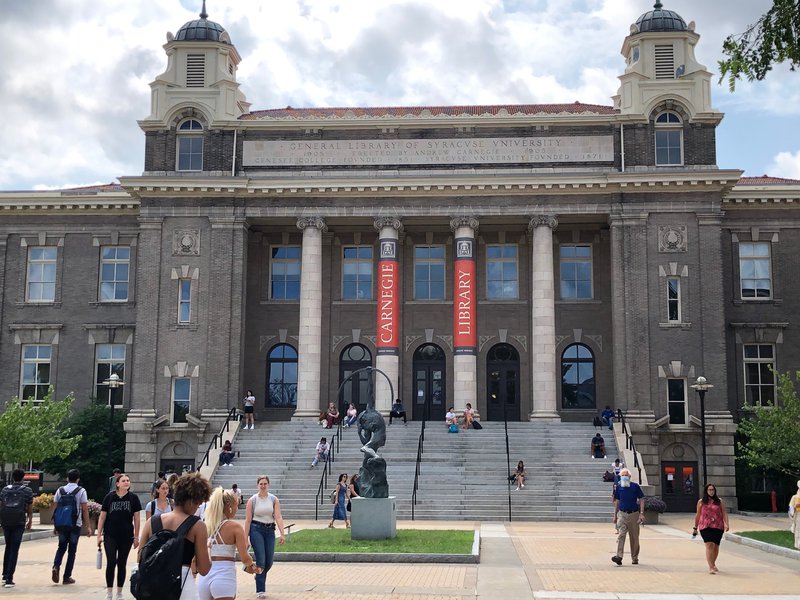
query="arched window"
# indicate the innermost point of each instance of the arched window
(190, 146)
(669, 139)
(577, 377)
(282, 376)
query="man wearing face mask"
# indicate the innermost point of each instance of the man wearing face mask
(628, 515)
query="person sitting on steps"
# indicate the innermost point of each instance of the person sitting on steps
(397, 411)
(598, 446)
(519, 475)
(469, 416)
(320, 452)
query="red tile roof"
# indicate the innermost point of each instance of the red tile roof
(767, 180)
(416, 111)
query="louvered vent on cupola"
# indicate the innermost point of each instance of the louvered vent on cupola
(196, 70)
(665, 61)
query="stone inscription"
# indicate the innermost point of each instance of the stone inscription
(526, 150)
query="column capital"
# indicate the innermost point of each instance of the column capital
(464, 221)
(315, 222)
(394, 222)
(539, 220)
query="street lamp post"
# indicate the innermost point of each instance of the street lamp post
(113, 382)
(701, 386)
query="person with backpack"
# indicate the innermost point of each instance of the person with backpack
(16, 515)
(262, 517)
(72, 510)
(118, 530)
(160, 503)
(174, 546)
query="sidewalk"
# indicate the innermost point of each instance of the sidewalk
(544, 561)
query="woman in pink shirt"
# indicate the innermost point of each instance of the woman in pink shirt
(711, 519)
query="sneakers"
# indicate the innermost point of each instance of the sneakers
(68, 580)
(119, 595)
(261, 595)
(616, 560)
(109, 596)
(635, 561)
(8, 584)
(54, 574)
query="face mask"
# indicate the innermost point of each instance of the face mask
(625, 481)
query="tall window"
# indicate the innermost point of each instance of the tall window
(676, 401)
(576, 271)
(674, 299)
(285, 273)
(502, 281)
(181, 398)
(41, 284)
(429, 273)
(35, 379)
(114, 273)
(109, 358)
(759, 380)
(190, 146)
(754, 270)
(577, 377)
(282, 376)
(357, 273)
(669, 137)
(184, 300)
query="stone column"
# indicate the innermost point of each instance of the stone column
(543, 345)
(388, 318)
(309, 351)
(465, 311)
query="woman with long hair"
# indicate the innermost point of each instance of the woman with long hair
(339, 509)
(712, 519)
(262, 517)
(519, 475)
(225, 537)
(160, 503)
(352, 491)
(118, 530)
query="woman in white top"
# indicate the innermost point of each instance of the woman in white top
(262, 515)
(225, 538)
(249, 403)
(160, 503)
(352, 415)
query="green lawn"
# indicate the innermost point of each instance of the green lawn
(784, 539)
(440, 541)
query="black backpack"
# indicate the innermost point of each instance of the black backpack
(15, 505)
(65, 516)
(160, 561)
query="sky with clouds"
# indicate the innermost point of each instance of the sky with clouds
(74, 74)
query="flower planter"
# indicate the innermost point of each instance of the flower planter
(91, 527)
(650, 517)
(46, 515)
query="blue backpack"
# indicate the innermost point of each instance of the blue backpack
(65, 516)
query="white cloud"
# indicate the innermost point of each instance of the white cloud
(786, 164)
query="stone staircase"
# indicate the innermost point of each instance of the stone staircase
(463, 476)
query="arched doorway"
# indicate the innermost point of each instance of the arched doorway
(356, 390)
(430, 392)
(502, 383)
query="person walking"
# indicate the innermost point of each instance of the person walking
(794, 515)
(68, 537)
(160, 503)
(112, 480)
(352, 492)
(249, 403)
(16, 515)
(226, 538)
(628, 515)
(711, 519)
(117, 531)
(262, 517)
(340, 507)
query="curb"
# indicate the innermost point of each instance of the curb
(33, 534)
(770, 548)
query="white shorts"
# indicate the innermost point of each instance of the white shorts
(188, 592)
(220, 581)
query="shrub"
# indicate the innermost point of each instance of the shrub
(43, 501)
(655, 504)
(94, 508)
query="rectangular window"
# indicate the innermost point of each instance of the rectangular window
(429, 273)
(357, 273)
(754, 270)
(676, 401)
(674, 299)
(41, 284)
(285, 273)
(502, 281)
(35, 379)
(184, 300)
(109, 358)
(181, 396)
(668, 147)
(759, 379)
(114, 273)
(190, 153)
(576, 271)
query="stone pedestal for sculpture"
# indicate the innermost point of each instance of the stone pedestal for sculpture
(373, 518)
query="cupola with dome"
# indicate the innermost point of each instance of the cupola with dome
(660, 19)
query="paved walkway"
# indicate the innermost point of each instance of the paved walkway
(544, 561)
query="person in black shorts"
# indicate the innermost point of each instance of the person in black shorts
(249, 402)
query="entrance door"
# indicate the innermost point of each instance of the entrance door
(679, 485)
(502, 383)
(429, 384)
(359, 389)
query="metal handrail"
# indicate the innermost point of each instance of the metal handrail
(420, 448)
(629, 443)
(508, 467)
(232, 416)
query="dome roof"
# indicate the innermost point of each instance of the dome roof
(659, 19)
(201, 30)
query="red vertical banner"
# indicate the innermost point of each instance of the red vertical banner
(465, 339)
(388, 333)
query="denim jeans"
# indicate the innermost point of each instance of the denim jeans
(13, 537)
(67, 542)
(262, 539)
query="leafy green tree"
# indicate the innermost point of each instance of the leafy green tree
(771, 432)
(773, 39)
(92, 456)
